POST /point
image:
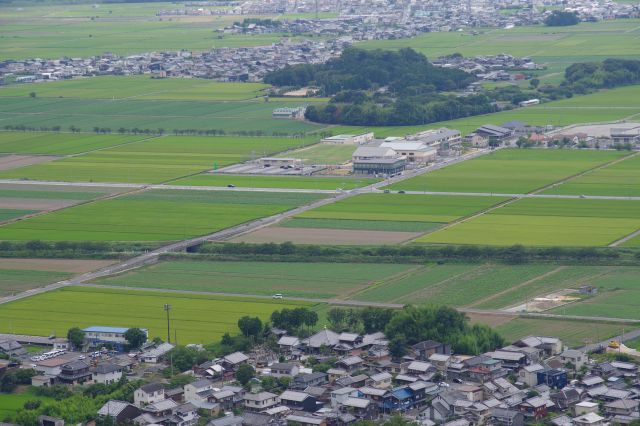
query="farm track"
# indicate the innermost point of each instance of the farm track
(395, 278)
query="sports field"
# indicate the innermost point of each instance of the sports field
(196, 319)
(315, 280)
(559, 46)
(509, 171)
(295, 182)
(85, 114)
(156, 215)
(138, 87)
(60, 143)
(546, 222)
(156, 160)
(621, 179)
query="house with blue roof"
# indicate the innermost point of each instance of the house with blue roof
(98, 336)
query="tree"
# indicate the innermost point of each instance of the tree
(135, 337)
(534, 83)
(244, 374)
(250, 327)
(336, 317)
(76, 337)
(398, 346)
(32, 94)
(559, 18)
(375, 319)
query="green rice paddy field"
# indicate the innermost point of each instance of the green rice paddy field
(621, 180)
(155, 160)
(8, 214)
(316, 280)
(60, 143)
(509, 171)
(546, 222)
(196, 319)
(156, 215)
(294, 182)
(138, 87)
(14, 281)
(429, 209)
(152, 114)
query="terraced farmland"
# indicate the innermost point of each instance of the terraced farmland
(196, 319)
(316, 280)
(546, 222)
(155, 160)
(156, 215)
(509, 171)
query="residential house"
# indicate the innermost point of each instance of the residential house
(288, 344)
(440, 361)
(575, 357)
(529, 374)
(260, 401)
(323, 338)
(360, 408)
(299, 401)
(148, 394)
(153, 355)
(565, 398)
(106, 373)
(304, 380)
(75, 373)
(509, 360)
(423, 350)
(234, 360)
(350, 364)
(380, 380)
(505, 417)
(284, 370)
(555, 379)
(119, 411)
(300, 420)
(585, 407)
(196, 390)
(11, 348)
(535, 407)
(622, 407)
(589, 419)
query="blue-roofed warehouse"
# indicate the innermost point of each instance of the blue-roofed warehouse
(98, 336)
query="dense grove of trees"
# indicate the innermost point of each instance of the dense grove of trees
(71, 249)
(586, 77)
(415, 324)
(411, 254)
(382, 88)
(560, 18)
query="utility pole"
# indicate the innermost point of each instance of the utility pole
(167, 308)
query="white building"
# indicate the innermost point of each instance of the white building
(414, 152)
(106, 373)
(349, 139)
(148, 394)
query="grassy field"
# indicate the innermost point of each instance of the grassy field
(10, 403)
(324, 154)
(604, 106)
(572, 333)
(317, 280)
(402, 208)
(156, 215)
(196, 319)
(546, 222)
(558, 45)
(138, 87)
(297, 182)
(150, 114)
(14, 281)
(509, 171)
(634, 242)
(156, 160)
(60, 143)
(621, 179)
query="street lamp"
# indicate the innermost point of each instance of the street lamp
(167, 308)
